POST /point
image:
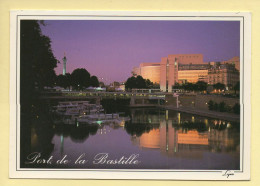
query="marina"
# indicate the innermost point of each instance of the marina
(82, 112)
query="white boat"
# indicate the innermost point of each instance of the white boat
(83, 112)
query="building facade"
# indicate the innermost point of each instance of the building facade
(188, 68)
(150, 71)
(234, 61)
(192, 73)
(226, 74)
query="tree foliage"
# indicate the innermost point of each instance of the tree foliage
(138, 82)
(219, 86)
(199, 86)
(64, 81)
(37, 61)
(236, 108)
(223, 107)
(237, 87)
(80, 79)
(94, 81)
(211, 105)
(37, 64)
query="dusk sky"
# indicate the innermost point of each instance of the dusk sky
(110, 49)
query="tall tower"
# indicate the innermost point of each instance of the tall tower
(64, 64)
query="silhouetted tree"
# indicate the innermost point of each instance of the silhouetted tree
(156, 85)
(219, 86)
(148, 83)
(201, 85)
(140, 82)
(215, 106)
(177, 86)
(222, 106)
(37, 61)
(190, 86)
(211, 105)
(64, 80)
(237, 87)
(236, 108)
(37, 64)
(130, 83)
(94, 81)
(80, 78)
(137, 82)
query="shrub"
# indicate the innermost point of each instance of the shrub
(236, 108)
(210, 105)
(222, 106)
(215, 107)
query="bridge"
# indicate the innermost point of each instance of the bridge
(136, 98)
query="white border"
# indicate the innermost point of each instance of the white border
(245, 99)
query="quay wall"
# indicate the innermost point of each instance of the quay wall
(199, 101)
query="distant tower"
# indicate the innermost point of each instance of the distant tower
(64, 64)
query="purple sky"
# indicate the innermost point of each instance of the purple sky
(110, 49)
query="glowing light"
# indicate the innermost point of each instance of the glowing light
(192, 119)
(99, 122)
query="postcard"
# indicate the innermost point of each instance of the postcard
(130, 95)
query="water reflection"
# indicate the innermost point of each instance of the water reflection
(77, 133)
(206, 143)
(183, 135)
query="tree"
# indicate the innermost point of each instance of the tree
(156, 85)
(190, 86)
(236, 108)
(211, 105)
(215, 106)
(130, 83)
(237, 87)
(64, 80)
(201, 85)
(136, 82)
(177, 86)
(80, 79)
(148, 83)
(94, 81)
(219, 86)
(37, 61)
(37, 64)
(222, 106)
(140, 82)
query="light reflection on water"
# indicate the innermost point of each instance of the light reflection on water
(162, 139)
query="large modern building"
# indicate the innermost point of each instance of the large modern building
(150, 71)
(183, 68)
(192, 73)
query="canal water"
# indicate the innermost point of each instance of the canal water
(152, 139)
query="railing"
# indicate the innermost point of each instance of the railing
(108, 95)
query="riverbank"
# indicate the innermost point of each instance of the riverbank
(207, 113)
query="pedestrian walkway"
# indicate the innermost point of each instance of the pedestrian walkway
(207, 113)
